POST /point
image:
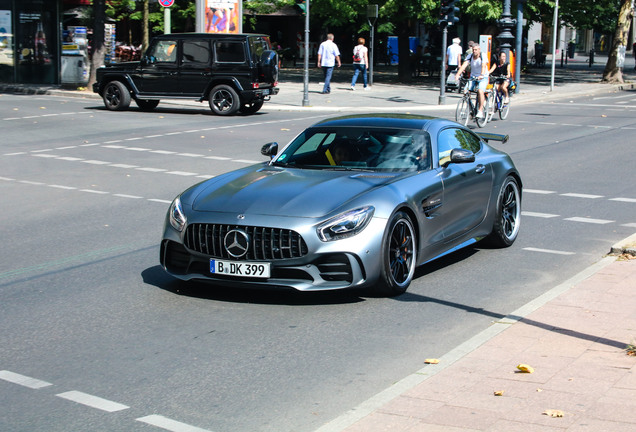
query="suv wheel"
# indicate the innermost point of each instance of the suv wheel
(251, 107)
(116, 96)
(224, 100)
(146, 104)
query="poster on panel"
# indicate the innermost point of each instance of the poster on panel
(222, 16)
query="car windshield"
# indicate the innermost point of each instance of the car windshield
(381, 149)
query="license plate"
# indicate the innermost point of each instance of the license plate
(240, 268)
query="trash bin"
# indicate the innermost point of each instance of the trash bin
(571, 48)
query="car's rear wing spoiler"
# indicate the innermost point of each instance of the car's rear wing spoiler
(486, 136)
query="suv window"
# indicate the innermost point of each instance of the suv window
(196, 52)
(229, 52)
(165, 51)
(257, 46)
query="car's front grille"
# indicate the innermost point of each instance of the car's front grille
(263, 243)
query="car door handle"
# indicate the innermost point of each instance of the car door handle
(480, 169)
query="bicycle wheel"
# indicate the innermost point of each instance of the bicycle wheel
(492, 105)
(503, 110)
(462, 112)
(481, 122)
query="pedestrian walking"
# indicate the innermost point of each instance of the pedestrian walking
(328, 57)
(454, 55)
(360, 62)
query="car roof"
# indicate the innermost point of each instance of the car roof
(209, 35)
(389, 120)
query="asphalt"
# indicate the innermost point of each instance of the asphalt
(578, 339)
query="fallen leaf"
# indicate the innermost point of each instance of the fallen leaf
(525, 368)
(499, 392)
(42, 107)
(603, 115)
(553, 413)
(431, 361)
(284, 129)
(539, 390)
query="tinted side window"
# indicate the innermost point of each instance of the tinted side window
(196, 53)
(165, 51)
(447, 140)
(229, 52)
(471, 142)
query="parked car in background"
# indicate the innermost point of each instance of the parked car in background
(233, 72)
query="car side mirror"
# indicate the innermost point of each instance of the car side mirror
(270, 149)
(462, 156)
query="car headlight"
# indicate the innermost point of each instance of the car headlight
(176, 216)
(346, 224)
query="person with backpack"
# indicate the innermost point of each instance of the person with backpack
(360, 63)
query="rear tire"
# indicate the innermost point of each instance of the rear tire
(116, 96)
(461, 113)
(492, 104)
(399, 256)
(224, 100)
(481, 122)
(508, 215)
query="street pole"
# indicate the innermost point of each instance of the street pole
(442, 73)
(519, 42)
(166, 20)
(372, 12)
(306, 66)
(554, 40)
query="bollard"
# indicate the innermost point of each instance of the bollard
(591, 57)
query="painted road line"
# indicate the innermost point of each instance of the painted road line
(539, 215)
(92, 401)
(97, 162)
(169, 424)
(23, 380)
(538, 191)
(62, 187)
(124, 166)
(127, 196)
(162, 201)
(630, 200)
(182, 173)
(93, 191)
(589, 220)
(578, 195)
(630, 225)
(549, 251)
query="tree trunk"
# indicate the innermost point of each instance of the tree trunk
(99, 48)
(145, 24)
(404, 53)
(612, 73)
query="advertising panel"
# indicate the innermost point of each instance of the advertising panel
(222, 16)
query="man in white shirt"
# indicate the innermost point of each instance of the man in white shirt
(328, 56)
(454, 54)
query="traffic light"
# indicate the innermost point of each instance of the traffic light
(447, 12)
(453, 11)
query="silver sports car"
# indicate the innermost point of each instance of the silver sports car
(353, 201)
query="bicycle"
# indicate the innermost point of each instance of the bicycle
(467, 109)
(496, 101)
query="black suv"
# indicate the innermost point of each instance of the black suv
(234, 72)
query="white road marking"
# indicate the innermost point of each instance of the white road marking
(94, 191)
(70, 158)
(139, 149)
(163, 152)
(46, 155)
(151, 169)
(549, 251)
(23, 380)
(62, 187)
(124, 166)
(169, 424)
(630, 225)
(578, 195)
(539, 215)
(127, 196)
(34, 183)
(182, 173)
(162, 201)
(247, 161)
(96, 162)
(92, 401)
(190, 155)
(538, 191)
(629, 200)
(589, 220)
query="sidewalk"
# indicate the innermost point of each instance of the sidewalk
(420, 96)
(575, 337)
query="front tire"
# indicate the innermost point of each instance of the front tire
(508, 215)
(116, 96)
(224, 100)
(503, 112)
(399, 256)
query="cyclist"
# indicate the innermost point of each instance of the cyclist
(499, 70)
(478, 71)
